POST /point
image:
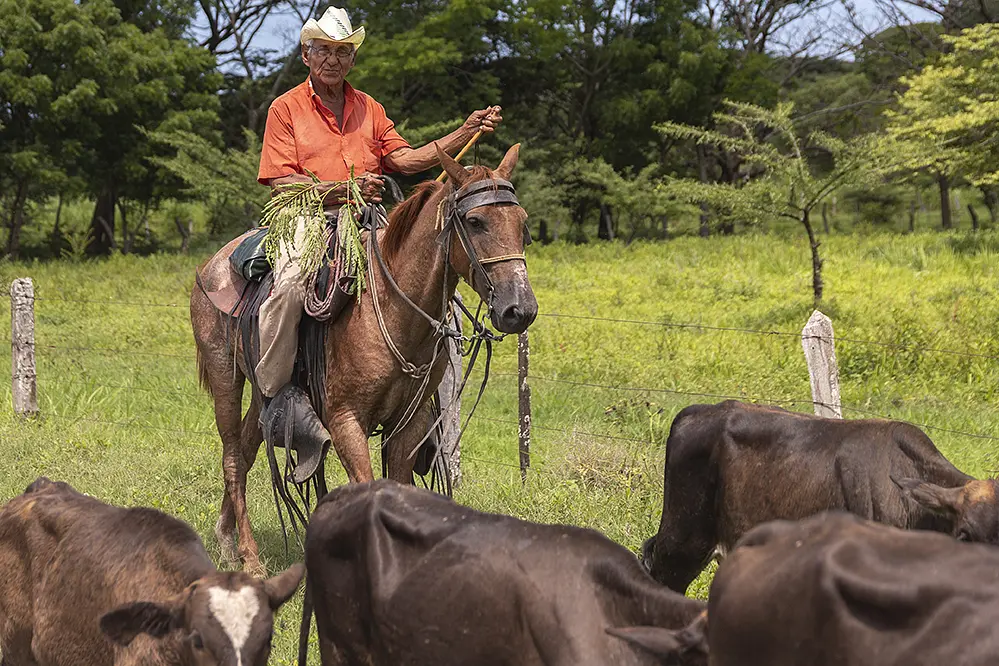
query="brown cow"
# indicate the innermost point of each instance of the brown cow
(836, 590)
(732, 466)
(88, 584)
(402, 576)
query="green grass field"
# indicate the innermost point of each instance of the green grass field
(123, 419)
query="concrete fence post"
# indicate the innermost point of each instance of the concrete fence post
(820, 353)
(22, 343)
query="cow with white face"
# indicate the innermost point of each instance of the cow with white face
(88, 584)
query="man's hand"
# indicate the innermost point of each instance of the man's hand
(371, 187)
(485, 120)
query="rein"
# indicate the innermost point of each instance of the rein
(457, 205)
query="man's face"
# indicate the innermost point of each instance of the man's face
(328, 62)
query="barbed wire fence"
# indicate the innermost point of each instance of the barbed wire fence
(817, 339)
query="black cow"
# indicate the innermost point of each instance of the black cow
(88, 584)
(404, 576)
(732, 466)
(835, 590)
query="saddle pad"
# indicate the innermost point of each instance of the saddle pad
(221, 284)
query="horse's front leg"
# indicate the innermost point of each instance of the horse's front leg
(350, 440)
(404, 444)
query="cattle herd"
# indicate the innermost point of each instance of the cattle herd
(841, 543)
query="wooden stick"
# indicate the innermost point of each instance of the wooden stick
(468, 146)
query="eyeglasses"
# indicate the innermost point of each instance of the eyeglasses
(324, 52)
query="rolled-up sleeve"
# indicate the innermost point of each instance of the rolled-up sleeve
(388, 138)
(279, 156)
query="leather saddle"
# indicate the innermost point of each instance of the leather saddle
(237, 280)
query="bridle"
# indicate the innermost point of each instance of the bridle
(489, 192)
(452, 219)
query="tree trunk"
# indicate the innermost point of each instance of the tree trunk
(543, 232)
(665, 223)
(702, 172)
(17, 220)
(992, 203)
(606, 229)
(912, 216)
(974, 217)
(945, 217)
(126, 240)
(56, 238)
(816, 260)
(185, 234)
(825, 217)
(579, 220)
(102, 222)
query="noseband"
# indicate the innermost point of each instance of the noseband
(489, 192)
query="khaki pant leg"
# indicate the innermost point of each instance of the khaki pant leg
(280, 315)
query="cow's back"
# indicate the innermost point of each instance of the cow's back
(777, 465)
(834, 589)
(406, 577)
(72, 558)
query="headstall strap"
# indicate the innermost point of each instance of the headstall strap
(485, 193)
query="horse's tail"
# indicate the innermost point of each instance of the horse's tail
(204, 379)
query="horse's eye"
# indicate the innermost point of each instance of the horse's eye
(476, 222)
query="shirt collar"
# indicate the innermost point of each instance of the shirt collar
(348, 91)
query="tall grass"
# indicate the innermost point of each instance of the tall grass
(123, 419)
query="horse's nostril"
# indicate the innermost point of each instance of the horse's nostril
(512, 313)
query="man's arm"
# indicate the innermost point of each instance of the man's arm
(408, 161)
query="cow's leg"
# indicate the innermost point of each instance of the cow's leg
(401, 447)
(351, 443)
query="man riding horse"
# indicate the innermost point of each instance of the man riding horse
(327, 128)
(384, 355)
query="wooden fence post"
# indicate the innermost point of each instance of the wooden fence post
(524, 392)
(820, 352)
(22, 343)
(451, 406)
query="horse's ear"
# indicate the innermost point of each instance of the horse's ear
(454, 170)
(509, 163)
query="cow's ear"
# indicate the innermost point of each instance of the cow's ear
(124, 623)
(280, 587)
(945, 501)
(666, 642)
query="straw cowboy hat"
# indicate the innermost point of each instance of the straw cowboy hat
(334, 26)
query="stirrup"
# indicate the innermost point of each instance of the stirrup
(289, 415)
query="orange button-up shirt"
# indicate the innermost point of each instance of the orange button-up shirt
(302, 135)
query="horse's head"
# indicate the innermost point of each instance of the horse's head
(490, 235)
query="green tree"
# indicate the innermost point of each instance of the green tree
(78, 85)
(947, 122)
(778, 179)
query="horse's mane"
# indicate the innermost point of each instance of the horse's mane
(403, 217)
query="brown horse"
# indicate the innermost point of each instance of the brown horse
(366, 386)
